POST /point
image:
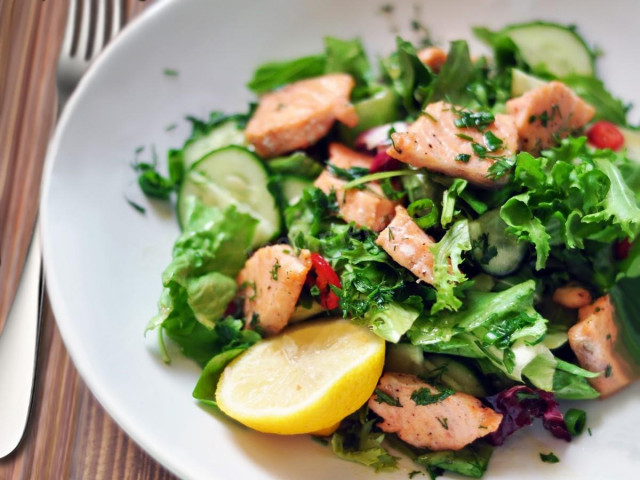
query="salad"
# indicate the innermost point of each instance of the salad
(418, 259)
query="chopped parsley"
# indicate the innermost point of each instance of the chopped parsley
(549, 457)
(170, 72)
(135, 205)
(492, 142)
(479, 150)
(383, 397)
(347, 174)
(423, 396)
(463, 157)
(274, 270)
(607, 371)
(414, 473)
(501, 167)
(173, 126)
(477, 120)
(464, 137)
(482, 245)
(444, 422)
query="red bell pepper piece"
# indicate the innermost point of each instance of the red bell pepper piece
(325, 277)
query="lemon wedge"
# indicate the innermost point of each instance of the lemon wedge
(304, 380)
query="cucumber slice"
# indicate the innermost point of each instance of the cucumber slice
(379, 109)
(496, 253)
(292, 188)
(233, 176)
(522, 82)
(553, 48)
(223, 135)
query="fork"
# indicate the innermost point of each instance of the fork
(91, 24)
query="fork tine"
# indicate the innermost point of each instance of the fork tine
(100, 27)
(84, 28)
(69, 31)
(116, 17)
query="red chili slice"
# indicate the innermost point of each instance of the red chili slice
(325, 277)
(604, 134)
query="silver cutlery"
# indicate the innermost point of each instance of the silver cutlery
(91, 24)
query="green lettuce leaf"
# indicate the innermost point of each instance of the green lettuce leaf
(199, 282)
(447, 258)
(356, 442)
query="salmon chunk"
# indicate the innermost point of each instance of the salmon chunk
(446, 424)
(271, 282)
(300, 114)
(593, 340)
(433, 57)
(572, 296)
(546, 113)
(435, 143)
(408, 245)
(366, 208)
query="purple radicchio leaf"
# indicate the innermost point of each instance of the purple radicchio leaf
(520, 405)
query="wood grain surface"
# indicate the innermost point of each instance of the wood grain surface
(69, 435)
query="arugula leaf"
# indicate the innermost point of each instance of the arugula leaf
(456, 74)
(205, 389)
(348, 56)
(272, 75)
(409, 77)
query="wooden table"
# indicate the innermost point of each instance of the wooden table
(69, 435)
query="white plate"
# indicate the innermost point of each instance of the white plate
(103, 259)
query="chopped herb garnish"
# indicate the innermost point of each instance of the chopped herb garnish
(347, 174)
(245, 285)
(492, 142)
(315, 291)
(274, 270)
(501, 166)
(390, 230)
(173, 126)
(464, 137)
(589, 432)
(482, 245)
(387, 8)
(383, 397)
(139, 150)
(138, 207)
(549, 457)
(429, 116)
(390, 192)
(423, 396)
(479, 150)
(607, 371)
(463, 157)
(575, 420)
(414, 473)
(444, 422)
(170, 72)
(477, 120)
